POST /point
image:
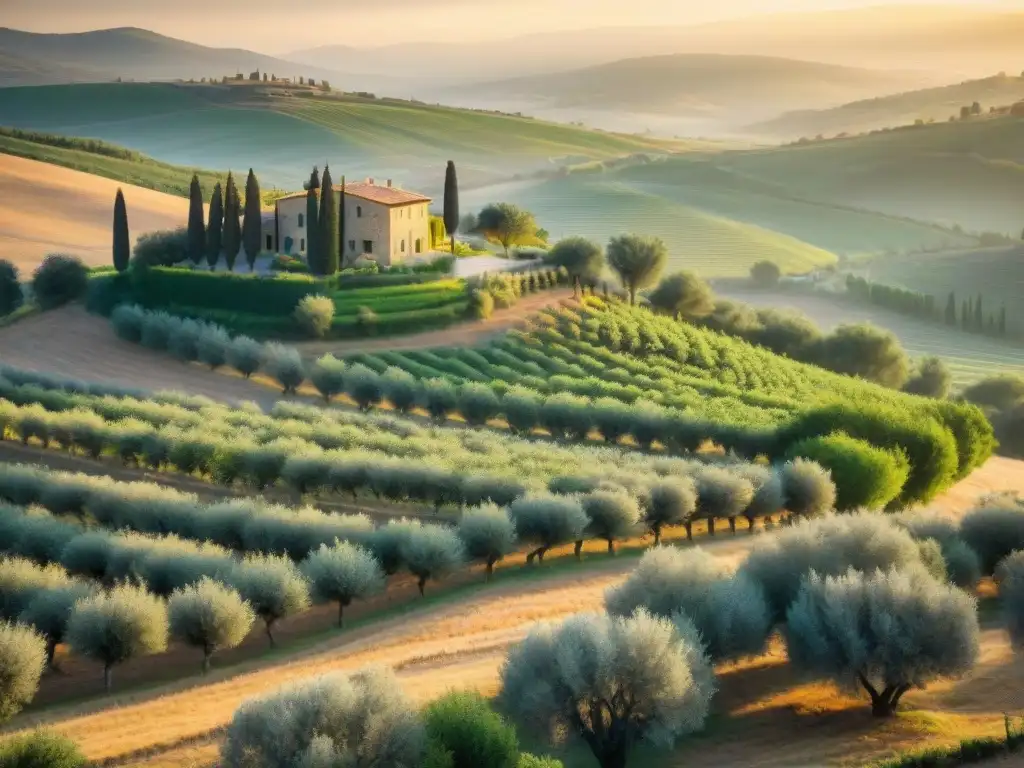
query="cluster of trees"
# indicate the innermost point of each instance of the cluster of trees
(863, 601)
(1001, 397)
(970, 316)
(504, 289)
(503, 223)
(637, 261)
(58, 280)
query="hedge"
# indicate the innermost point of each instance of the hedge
(401, 302)
(865, 476)
(424, 286)
(381, 280)
(278, 295)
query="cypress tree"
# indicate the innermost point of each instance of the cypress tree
(965, 315)
(213, 231)
(451, 202)
(341, 225)
(232, 234)
(122, 241)
(979, 317)
(951, 309)
(196, 226)
(312, 253)
(328, 239)
(252, 232)
(1002, 320)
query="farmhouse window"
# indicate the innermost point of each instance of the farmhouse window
(367, 246)
(270, 242)
(351, 245)
(419, 245)
(302, 220)
(403, 246)
(359, 211)
(302, 245)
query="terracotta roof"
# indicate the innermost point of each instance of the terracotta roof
(374, 192)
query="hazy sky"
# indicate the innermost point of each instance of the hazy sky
(277, 26)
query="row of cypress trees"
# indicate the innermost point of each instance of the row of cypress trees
(973, 318)
(325, 223)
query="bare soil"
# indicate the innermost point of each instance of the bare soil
(31, 191)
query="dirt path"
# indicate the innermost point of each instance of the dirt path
(30, 191)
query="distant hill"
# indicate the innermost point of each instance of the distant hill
(696, 84)
(930, 104)
(138, 54)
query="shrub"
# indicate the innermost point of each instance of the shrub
(581, 259)
(683, 295)
(477, 403)
(785, 332)
(888, 631)
(865, 477)
(613, 515)
(829, 547)
(432, 552)
(526, 760)
(521, 407)
(58, 280)
(273, 587)
(765, 274)
(357, 719)
(49, 612)
(210, 616)
(463, 724)
(364, 386)
(647, 681)
(22, 659)
(547, 521)
(722, 494)
(245, 355)
(999, 392)
(931, 378)
(807, 488)
(342, 573)
(388, 544)
(212, 346)
(184, 340)
(116, 626)
(868, 352)
(128, 320)
(157, 328)
(328, 376)
(729, 612)
(993, 531)
(481, 304)
(400, 388)
(41, 749)
(671, 502)
(284, 365)
(161, 249)
(962, 564)
(488, 534)
(439, 398)
(11, 296)
(566, 415)
(1011, 596)
(314, 314)
(367, 321)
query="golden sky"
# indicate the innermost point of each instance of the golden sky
(279, 26)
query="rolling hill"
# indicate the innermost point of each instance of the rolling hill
(281, 135)
(696, 84)
(929, 104)
(138, 54)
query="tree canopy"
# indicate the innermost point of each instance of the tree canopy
(637, 260)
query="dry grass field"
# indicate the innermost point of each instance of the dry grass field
(31, 191)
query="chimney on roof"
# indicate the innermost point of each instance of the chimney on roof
(389, 183)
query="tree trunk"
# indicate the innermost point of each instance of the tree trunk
(732, 525)
(576, 288)
(51, 652)
(750, 525)
(632, 297)
(611, 546)
(422, 583)
(206, 661)
(884, 703)
(270, 634)
(107, 677)
(613, 756)
(578, 549)
(656, 530)
(711, 526)
(689, 530)
(341, 614)
(453, 251)
(490, 568)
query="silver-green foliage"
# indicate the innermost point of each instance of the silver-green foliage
(364, 385)
(336, 720)
(21, 580)
(113, 627)
(884, 631)
(808, 488)
(342, 573)
(613, 681)
(314, 314)
(994, 531)
(400, 388)
(50, 610)
(273, 587)
(722, 494)
(962, 564)
(729, 611)
(212, 346)
(284, 365)
(328, 376)
(22, 659)
(1010, 576)
(245, 355)
(210, 616)
(670, 502)
(432, 552)
(488, 534)
(830, 547)
(613, 514)
(547, 521)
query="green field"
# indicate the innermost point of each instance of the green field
(283, 135)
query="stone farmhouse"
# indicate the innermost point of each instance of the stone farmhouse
(382, 222)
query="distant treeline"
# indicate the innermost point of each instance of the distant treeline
(92, 146)
(970, 315)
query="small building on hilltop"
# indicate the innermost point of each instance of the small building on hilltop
(382, 222)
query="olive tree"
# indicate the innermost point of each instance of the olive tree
(829, 547)
(613, 515)
(245, 355)
(488, 534)
(1011, 595)
(993, 531)
(807, 488)
(581, 258)
(432, 552)
(683, 295)
(273, 586)
(547, 521)
(613, 681)
(400, 388)
(769, 497)
(477, 403)
(521, 407)
(637, 260)
(362, 719)
(210, 616)
(284, 365)
(364, 386)
(721, 494)
(729, 611)
(463, 724)
(49, 612)
(328, 376)
(670, 502)
(962, 564)
(116, 626)
(885, 631)
(439, 398)
(342, 573)
(387, 543)
(22, 660)
(212, 346)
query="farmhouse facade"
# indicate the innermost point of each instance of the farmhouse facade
(381, 222)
